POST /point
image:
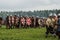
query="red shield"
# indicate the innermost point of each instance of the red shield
(28, 21)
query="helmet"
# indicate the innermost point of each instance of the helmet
(50, 14)
(10, 15)
(58, 14)
(54, 14)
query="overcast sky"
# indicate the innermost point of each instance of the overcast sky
(26, 5)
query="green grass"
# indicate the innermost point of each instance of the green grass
(24, 34)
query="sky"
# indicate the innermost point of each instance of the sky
(28, 5)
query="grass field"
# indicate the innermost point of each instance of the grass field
(24, 34)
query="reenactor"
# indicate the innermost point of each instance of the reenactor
(32, 22)
(58, 27)
(28, 21)
(49, 27)
(54, 23)
(56, 19)
(16, 21)
(9, 21)
(40, 22)
(22, 22)
(13, 21)
(44, 22)
(1, 21)
(37, 21)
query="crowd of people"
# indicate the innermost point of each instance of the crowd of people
(52, 23)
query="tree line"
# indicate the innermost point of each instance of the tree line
(40, 13)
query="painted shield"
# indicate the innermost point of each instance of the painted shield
(17, 20)
(12, 20)
(39, 21)
(23, 21)
(28, 21)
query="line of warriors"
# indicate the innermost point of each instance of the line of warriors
(23, 22)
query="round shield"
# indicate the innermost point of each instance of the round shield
(23, 21)
(28, 21)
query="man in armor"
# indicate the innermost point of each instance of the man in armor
(1, 21)
(28, 21)
(22, 21)
(16, 21)
(49, 25)
(9, 21)
(58, 27)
